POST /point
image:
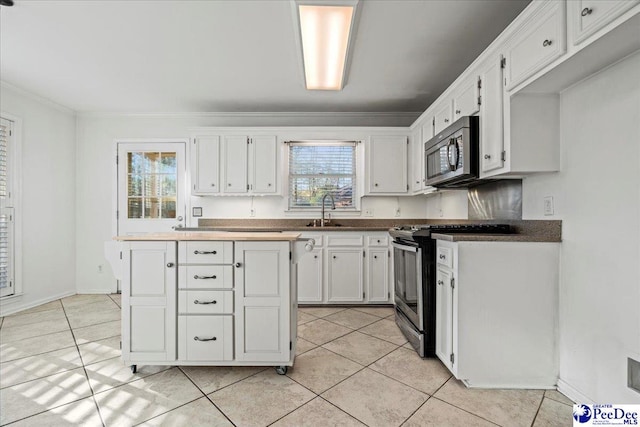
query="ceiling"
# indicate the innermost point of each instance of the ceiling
(236, 55)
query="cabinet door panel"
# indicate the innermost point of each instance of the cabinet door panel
(345, 267)
(465, 103)
(310, 277)
(491, 116)
(417, 170)
(265, 161)
(387, 157)
(586, 17)
(149, 301)
(378, 275)
(235, 164)
(442, 116)
(444, 317)
(205, 160)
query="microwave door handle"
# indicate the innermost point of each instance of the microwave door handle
(452, 165)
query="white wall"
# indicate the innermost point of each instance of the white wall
(95, 167)
(597, 196)
(448, 204)
(48, 198)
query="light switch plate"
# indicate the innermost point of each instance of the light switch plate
(548, 205)
(196, 212)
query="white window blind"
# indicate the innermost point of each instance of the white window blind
(320, 167)
(6, 211)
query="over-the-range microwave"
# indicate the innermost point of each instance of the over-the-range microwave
(451, 157)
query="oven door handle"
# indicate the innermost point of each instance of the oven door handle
(410, 247)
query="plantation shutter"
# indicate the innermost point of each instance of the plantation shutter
(6, 211)
(320, 167)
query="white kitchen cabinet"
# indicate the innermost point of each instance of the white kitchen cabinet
(491, 115)
(310, 275)
(466, 100)
(263, 168)
(149, 298)
(262, 301)
(497, 312)
(536, 44)
(205, 338)
(235, 155)
(417, 153)
(377, 275)
(387, 160)
(586, 17)
(205, 165)
(442, 116)
(345, 274)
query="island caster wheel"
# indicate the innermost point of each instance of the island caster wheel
(134, 369)
(281, 370)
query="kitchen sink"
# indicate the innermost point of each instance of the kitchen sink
(317, 225)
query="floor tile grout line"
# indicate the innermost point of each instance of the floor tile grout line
(342, 410)
(558, 401)
(35, 336)
(38, 354)
(96, 324)
(429, 397)
(203, 394)
(537, 412)
(463, 409)
(355, 361)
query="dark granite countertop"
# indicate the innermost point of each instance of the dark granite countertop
(468, 237)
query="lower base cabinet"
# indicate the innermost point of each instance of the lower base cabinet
(497, 312)
(208, 303)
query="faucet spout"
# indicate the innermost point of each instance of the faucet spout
(323, 221)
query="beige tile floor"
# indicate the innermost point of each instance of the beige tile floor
(60, 365)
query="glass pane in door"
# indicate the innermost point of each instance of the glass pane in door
(151, 185)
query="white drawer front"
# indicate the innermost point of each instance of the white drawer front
(205, 302)
(205, 277)
(205, 338)
(444, 256)
(205, 252)
(378, 241)
(345, 240)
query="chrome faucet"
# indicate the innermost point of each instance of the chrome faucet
(333, 206)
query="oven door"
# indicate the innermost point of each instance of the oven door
(407, 259)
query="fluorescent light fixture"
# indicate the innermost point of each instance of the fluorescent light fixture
(325, 28)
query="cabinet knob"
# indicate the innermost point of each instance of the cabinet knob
(458, 111)
(440, 282)
(446, 120)
(375, 256)
(442, 256)
(315, 256)
(487, 156)
(334, 257)
(586, 11)
(546, 43)
(376, 184)
(417, 182)
(269, 185)
(213, 185)
(229, 184)
(238, 265)
(170, 264)
(378, 240)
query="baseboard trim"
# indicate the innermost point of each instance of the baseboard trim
(17, 307)
(572, 393)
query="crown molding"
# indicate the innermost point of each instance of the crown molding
(275, 114)
(35, 97)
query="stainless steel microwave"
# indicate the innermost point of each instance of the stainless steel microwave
(451, 157)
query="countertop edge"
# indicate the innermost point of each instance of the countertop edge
(464, 237)
(213, 235)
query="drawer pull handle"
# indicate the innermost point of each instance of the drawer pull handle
(205, 302)
(442, 256)
(546, 43)
(586, 11)
(205, 252)
(204, 277)
(440, 282)
(197, 338)
(487, 156)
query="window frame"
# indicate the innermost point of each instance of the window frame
(357, 175)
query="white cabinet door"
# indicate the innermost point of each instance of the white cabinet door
(378, 275)
(262, 314)
(442, 116)
(149, 301)
(264, 161)
(417, 170)
(491, 115)
(586, 17)
(310, 276)
(345, 275)
(205, 160)
(465, 102)
(444, 317)
(538, 43)
(235, 164)
(387, 164)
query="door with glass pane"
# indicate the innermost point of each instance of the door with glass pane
(7, 243)
(151, 180)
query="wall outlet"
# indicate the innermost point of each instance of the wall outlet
(548, 205)
(252, 212)
(397, 211)
(368, 212)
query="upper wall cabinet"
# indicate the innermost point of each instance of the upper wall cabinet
(205, 160)
(536, 44)
(387, 170)
(442, 116)
(417, 153)
(466, 100)
(234, 165)
(492, 151)
(586, 17)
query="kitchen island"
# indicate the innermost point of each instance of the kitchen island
(209, 298)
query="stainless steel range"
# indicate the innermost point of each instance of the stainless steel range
(414, 258)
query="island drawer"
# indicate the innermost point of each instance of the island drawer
(378, 241)
(444, 256)
(205, 302)
(205, 252)
(205, 338)
(205, 277)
